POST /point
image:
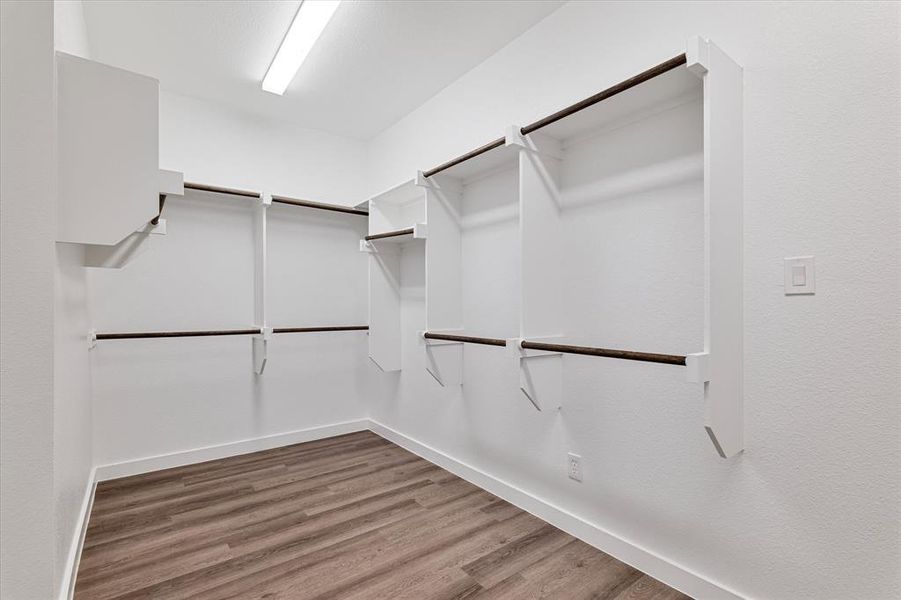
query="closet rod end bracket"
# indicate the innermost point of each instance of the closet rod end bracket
(92, 339)
(535, 142)
(697, 367)
(513, 137)
(422, 181)
(514, 350)
(697, 53)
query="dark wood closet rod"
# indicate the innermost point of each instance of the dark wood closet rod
(471, 154)
(320, 205)
(651, 73)
(668, 359)
(316, 329)
(220, 190)
(280, 199)
(207, 333)
(467, 339)
(388, 234)
(569, 110)
(156, 220)
(165, 334)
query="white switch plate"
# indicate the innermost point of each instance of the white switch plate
(574, 466)
(799, 275)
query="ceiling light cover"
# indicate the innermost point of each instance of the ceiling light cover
(308, 24)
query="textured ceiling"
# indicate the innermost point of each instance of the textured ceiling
(375, 62)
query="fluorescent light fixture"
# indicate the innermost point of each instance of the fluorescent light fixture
(310, 20)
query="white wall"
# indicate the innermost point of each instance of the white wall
(27, 227)
(214, 144)
(810, 509)
(72, 394)
(159, 396)
(72, 405)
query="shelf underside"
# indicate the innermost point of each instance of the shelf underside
(669, 89)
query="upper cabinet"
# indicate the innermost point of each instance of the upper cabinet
(108, 151)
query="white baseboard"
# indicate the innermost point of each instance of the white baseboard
(667, 571)
(196, 455)
(70, 569)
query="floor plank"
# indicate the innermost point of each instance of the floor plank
(353, 517)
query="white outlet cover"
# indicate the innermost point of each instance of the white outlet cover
(799, 275)
(574, 466)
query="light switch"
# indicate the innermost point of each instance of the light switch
(799, 275)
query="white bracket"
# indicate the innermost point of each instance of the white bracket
(697, 55)
(535, 142)
(265, 199)
(444, 359)
(384, 249)
(260, 349)
(420, 231)
(540, 375)
(121, 254)
(92, 339)
(172, 183)
(697, 368)
(422, 181)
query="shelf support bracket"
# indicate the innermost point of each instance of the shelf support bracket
(260, 349)
(534, 143)
(540, 375)
(697, 367)
(444, 359)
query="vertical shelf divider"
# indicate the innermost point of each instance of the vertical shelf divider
(540, 373)
(261, 254)
(443, 276)
(723, 322)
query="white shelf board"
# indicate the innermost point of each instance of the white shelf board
(403, 193)
(670, 89)
(494, 160)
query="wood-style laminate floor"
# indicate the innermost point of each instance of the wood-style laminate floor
(348, 517)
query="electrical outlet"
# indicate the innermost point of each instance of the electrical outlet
(575, 466)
